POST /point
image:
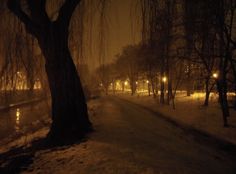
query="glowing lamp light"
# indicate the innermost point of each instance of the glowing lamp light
(136, 82)
(17, 126)
(147, 81)
(126, 83)
(17, 114)
(215, 75)
(164, 79)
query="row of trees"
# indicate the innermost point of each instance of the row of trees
(211, 30)
(184, 43)
(21, 66)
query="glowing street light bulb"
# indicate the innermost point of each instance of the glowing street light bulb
(126, 83)
(136, 82)
(17, 113)
(215, 75)
(147, 81)
(164, 79)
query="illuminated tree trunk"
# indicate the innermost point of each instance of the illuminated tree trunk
(133, 85)
(123, 86)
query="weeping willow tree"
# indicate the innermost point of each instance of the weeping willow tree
(52, 23)
(18, 67)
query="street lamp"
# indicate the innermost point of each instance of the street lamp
(215, 75)
(126, 83)
(164, 79)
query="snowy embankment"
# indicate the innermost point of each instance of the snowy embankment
(191, 112)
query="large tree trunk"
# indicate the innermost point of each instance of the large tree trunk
(69, 109)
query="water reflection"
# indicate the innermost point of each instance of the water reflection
(17, 125)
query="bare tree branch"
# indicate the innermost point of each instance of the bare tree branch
(15, 7)
(38, 12)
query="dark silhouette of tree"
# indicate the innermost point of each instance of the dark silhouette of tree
(128, 62)
(224, 12)
(104, 73)
(69, 108)
(149, 66)
(201, 34)
(213, 22)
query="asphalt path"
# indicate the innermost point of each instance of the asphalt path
(163, 147)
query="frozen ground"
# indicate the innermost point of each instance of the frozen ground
(129, 139)
(191, 112)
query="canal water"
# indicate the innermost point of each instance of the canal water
(17, 121)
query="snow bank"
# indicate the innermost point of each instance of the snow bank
(190, 111)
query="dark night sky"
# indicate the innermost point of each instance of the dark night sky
(123, 29)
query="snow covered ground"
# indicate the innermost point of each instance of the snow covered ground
(129, 140)
(190, 111)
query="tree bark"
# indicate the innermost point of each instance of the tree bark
(69, 109)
